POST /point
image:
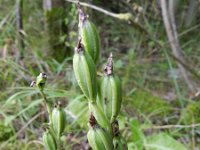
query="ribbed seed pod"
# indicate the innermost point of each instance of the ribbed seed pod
(85, 72)
(98, 138)
(105, 137)
(49, 141)
(89, 36)
(58, 120)
(94, 140)
(110, 92)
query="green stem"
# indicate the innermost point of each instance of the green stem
(59, 143)
(48, 106)
(100, 116)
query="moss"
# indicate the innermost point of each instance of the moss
(190, 114)
(149, 105)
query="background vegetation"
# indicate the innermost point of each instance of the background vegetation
(159, 70)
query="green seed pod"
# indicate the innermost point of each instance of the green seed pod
(98, 138)
(105, 137)
(89, 36)
(49, 141)
(94, 140)
(58, 120)
(85, 72)
(40, 81)
(99, 98)
(110, 92)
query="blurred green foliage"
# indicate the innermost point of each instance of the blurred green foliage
(5, 132)
(149, 105)
(152, 83)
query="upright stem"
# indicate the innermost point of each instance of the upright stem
(48, 106)
(100, 116)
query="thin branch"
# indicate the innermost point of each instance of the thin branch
(22, 129)
(69, 113)
(172, 126)
(36, 142)
(186, 65)
(191, 13)
(170, 27)
(96, 8)
(19, 26)
(29, 122)
(121, 16)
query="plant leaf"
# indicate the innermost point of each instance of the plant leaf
(163, 141)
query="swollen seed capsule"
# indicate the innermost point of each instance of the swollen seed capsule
(94, 140)
(116, 96)
(98, 137)
(49, 141)
(58, 120)
(89, 36)
(85, 72)
(110, 92)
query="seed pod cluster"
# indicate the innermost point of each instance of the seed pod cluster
(110, 96)
(89, 35)
(85, 72)
(104, 107)
(58, 120)
(49, 141)
(98, 138)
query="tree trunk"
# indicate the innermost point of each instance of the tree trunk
(19, 26)
(170, 27)
(56, 29)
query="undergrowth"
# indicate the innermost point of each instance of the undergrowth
(157, 107)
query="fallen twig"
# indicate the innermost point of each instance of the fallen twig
(171, 126)
(121, 16)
